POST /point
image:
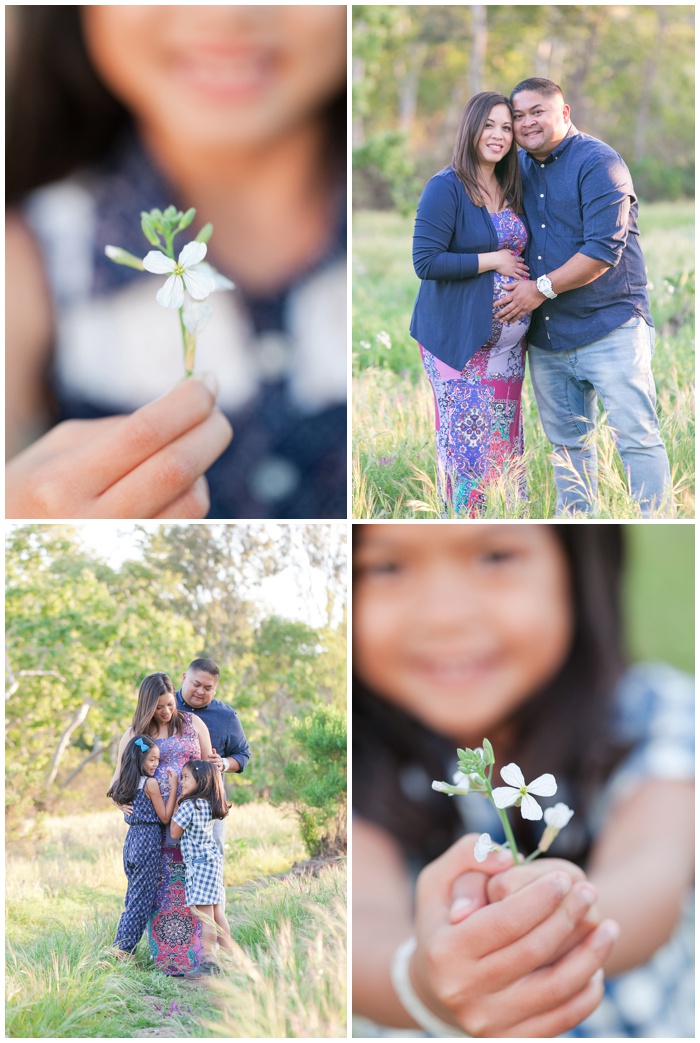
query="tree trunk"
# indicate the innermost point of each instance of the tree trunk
(83, 764)
(479, 40)
(648, 81)
(75, 722)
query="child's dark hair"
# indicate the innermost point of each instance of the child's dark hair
(209, 787)
(126, 786)
(562, 729)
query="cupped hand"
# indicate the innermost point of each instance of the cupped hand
(510, 265)
(149, 464)
(492, 969)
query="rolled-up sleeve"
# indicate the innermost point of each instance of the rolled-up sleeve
(434, 230)
(236, 744)
(606, 196)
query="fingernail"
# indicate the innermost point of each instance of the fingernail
(210, 382)
(563, 883)
(460, 908)
(586, 895)
(609, 931)
(598, 977)
(505, 856)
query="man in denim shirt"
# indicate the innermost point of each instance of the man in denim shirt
(591, 333)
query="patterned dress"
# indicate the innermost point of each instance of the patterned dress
(174, 933)
(478, 422)
(204, 866)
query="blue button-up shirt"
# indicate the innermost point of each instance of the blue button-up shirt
(225, 730)
(580, 199)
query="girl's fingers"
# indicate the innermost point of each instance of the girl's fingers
(565, 1017)
(498, 926)
(192, 504)
(434, 890)
(551, 987)
(144, 433)
(540, 945)
(164, 477)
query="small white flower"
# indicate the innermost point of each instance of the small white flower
(196, 316)
(483, 847)
(518, 793)
(184, 274)
(384, 339)
(558, 816)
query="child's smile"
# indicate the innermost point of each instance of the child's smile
(151, 761)
(187, 783)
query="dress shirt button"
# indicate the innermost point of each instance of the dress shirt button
(543, 226)
(541, 195)
(546, 318)
(539, 257)
(541, 164)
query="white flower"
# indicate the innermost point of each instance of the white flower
(220, 281)
(518, 794)
(196, 316)
(558, 816)
(184, 274)
(483, 847)
(384, 339)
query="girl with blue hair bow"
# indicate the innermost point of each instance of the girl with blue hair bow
(135, 785)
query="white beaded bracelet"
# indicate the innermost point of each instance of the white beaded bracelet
(411, 1003)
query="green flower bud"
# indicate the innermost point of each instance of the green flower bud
(186, 219)
(119, 256)
(149, 231)
(489, 757)
(204, 234)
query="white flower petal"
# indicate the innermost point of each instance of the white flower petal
(543, 786)
(513, 775)
(172, 293)
(192, 253)
(558, 816)
(460, 779)
(199, 284)
(483, 847)
(530, 809)
(158, 263)
(505, 796)
(220, 281)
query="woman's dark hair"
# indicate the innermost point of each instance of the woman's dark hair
(125, 788)
(209, 787)
(562, 729)
(465, 158)
(152, 687)
(61, 117)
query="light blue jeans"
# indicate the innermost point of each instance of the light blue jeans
(567, 384)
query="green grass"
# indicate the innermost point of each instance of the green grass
(64, 894)
(394, 473)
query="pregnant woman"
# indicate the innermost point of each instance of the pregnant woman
(174, 933)
(467, 248)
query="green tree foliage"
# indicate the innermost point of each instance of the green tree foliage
(81, 635)
(627, 72)
(316, 778)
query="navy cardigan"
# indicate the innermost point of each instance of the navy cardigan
(452, 316)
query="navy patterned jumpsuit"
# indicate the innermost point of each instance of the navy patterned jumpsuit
(141, 865)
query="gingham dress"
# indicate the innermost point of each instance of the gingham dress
(204, 866)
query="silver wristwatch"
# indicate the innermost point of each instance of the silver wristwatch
(544, 285)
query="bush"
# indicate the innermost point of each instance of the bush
(384, 175)
(654, 180)
(318, 776)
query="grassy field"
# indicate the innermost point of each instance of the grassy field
(64, 893)
(394, 473)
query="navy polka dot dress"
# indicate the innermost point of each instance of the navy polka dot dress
(141, 865)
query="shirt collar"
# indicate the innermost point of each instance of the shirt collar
(555, 153)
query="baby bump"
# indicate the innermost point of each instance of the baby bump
(511, 332)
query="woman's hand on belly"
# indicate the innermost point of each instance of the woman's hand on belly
(146, 465)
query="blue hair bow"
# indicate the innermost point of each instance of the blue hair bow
(141, 745)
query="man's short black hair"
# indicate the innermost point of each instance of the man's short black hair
(539, 85)
(207, 666)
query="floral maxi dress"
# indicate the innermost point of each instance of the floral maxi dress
(478, 420)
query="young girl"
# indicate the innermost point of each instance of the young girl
(202, 801)
(137, 787)
(238, 111)
(514, 633)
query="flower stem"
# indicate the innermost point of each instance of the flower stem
(506, 827)
(533, 856)
(189, 344)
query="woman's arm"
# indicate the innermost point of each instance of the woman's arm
(163, 811)
(204, 737)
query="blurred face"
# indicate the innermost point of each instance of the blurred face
(210, 75)
(541, 122)
(198, 688)
(496, 137)
(460, 624)
(165, 708)
(151, 761)
(187, 783)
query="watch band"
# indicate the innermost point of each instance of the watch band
(414, 1006)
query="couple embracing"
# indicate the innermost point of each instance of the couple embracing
(168, 783)
(538, 250)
